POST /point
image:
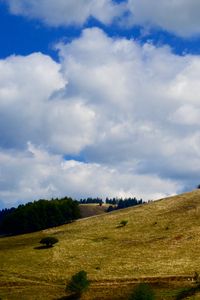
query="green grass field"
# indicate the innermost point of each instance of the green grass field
(161, 239)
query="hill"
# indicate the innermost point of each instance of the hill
(161, 239)
(89, 210)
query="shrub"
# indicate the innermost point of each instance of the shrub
(123, 223)
(196, 277)
(142, 292)
(187, 292)
(49, 241)
(110, 208)
(78, 283)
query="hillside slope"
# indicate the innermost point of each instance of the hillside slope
(161, 239)
(89, 210)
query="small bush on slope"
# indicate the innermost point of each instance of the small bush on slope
(78, 283)
(142, 292)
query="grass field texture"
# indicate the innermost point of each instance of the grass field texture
(161, 239)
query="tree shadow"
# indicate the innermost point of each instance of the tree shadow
(42, 247)
(69, 297)
(120, 226)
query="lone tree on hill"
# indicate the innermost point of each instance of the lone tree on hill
(49, 241)
(78, 284)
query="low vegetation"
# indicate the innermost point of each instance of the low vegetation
(115, 260)
(78, 284)
(49, 241)
(123, 223)
(142, 292)
(187, 292)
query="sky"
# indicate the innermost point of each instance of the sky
(99, 98)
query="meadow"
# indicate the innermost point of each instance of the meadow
(160, 244)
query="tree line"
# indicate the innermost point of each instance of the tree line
(116, 203)
(91, 201)
(38, 215)
(43, 214)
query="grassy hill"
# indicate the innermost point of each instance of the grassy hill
(89, 210)
(161, 239)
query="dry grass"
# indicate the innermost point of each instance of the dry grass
(161, 238)
(88, 210)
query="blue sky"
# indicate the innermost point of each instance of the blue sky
(98, 98)
(22, 37)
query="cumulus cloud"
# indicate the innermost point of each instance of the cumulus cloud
(35, 174)
(137, 93)
(130, 111)
(62, 12)
(31, 109)
(181, 17)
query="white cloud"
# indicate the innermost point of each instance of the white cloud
(181, 17)
(187, 115)
(130, 111)
(36, 174)
(136, 92)
(31, 109)
(62, 12)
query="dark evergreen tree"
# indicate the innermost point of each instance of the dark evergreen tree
(39, 215)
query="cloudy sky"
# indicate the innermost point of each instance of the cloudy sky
(99, 98)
